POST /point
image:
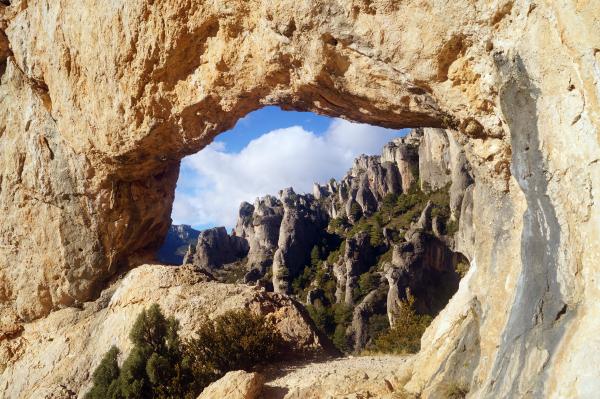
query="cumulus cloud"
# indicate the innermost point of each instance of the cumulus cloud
(214, 182)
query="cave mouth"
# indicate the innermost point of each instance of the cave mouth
(365, 242)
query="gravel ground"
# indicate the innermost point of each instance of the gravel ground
(350, 377)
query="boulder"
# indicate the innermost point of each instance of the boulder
(70, 343)
(235, 385)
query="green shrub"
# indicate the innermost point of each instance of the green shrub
(340, 338)
(355, 211)
(462, 268)
(315, 256)
(300, 283)
(105, 377)
(455, 391)
(451, 227)
(338, 225)
(376, 235)
(367, 282)
(236, 340)
(155, 368)
(161, 366)
(378, 324)
(323, 318)
(405, 336)
(333, 321)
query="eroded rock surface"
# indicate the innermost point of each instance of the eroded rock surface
(100, 100)
(235, 385)
(71, 342)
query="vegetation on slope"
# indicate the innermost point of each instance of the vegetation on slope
(395, 214)
(163, 366)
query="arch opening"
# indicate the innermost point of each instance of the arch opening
(364, 241)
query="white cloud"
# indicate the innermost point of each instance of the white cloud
(214, 182)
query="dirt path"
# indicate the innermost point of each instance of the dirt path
(351, 377)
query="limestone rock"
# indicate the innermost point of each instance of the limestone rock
(434, 160)
(62, 349)
(235, 385)
(216, 248)
(353, 377)
(259, 224)
(373, 303)
(358, 255)
(404, 153)
(425, 267)
(99, 102)
(177, 242)
(300, 228)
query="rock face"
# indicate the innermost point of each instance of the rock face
(99, 101)
(259, 224)
(359, 377)
(235, 385)
(73, 341)
(216, 248)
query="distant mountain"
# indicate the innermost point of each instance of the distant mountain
(178, 239)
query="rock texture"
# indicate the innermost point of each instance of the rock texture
(216, 248)
(260, 224)
(360, 377)
(71, 342)
(100, 100)
(235, 385)
(300, 230)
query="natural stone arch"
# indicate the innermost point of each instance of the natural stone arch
(165, 89)
(100, 100)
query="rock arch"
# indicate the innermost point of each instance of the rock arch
(99, 101)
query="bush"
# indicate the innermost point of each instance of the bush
(455, 391)
(341, 339)
(355, 212)
(300, 283)
(105, 377)
(333, 321)
(405, 336)
(462, 268)
(367, 282)
(155, 368)
(323, 318)
(236, 340)
(161, 366)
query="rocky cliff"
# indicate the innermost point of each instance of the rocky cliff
(364, 245)
(100, 100)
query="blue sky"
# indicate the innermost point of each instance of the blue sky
(266, 151)
(267, 119)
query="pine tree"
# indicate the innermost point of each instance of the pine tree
(106, 376)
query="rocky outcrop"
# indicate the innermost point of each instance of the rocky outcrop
(235, 385)
(216, 248)
(404, 153)
(358, 377)
(259, 224)
(434, 160)
(442, 162)
(373, 303)
(99, 103)
(358, 256)
(73, 341)
(368, 181)
(300, 230)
